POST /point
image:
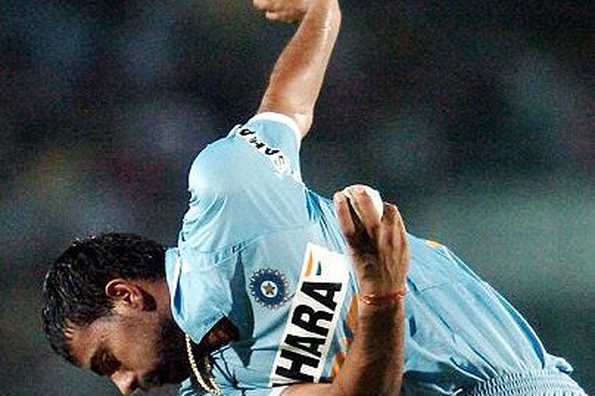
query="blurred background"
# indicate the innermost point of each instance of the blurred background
(476, 117)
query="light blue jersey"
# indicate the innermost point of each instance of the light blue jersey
(260, 248)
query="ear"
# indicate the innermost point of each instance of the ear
(125, 294)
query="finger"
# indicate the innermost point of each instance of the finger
(397, 236)
(392, 245)
(281, 16)
(344, 215)
(388, 230)
(260, 4)
(274, 16)
(390, 214)
(365, 208)
(399, 219)
(266, 5)
(392, 219)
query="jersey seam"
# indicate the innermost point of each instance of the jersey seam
(421, 291)
(248, 242)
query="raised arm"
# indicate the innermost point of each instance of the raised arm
(297, 77)
(374, 364)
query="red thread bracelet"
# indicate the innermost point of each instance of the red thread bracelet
(383, 299)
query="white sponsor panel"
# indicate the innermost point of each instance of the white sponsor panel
(312, 318)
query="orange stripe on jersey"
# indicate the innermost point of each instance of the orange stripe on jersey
(309, 264)
(339, 360)
(433, 244)
(351, 319)
(340, 357)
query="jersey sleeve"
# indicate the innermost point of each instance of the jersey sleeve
(278, 137)
(246, 185)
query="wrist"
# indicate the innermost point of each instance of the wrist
(373, 305)
(380, 314)
(383, 299)
(374, 321)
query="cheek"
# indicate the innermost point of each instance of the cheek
(148, 351)
(139, 352)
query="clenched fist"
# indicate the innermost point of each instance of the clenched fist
(377, 245)
(288, 11)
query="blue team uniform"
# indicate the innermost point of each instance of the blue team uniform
(260, 248)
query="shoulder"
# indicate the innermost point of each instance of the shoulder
(266, 145)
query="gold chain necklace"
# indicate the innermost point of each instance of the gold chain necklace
(209, 383)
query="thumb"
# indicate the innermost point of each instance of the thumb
(273, 15)
(280, 16)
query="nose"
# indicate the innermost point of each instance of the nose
(125, 381)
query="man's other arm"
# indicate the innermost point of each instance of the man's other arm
(380, 255)
(374, 364)
(296, 80)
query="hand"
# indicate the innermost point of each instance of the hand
(288, 11)
(378, 246)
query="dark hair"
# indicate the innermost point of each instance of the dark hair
(74, 287)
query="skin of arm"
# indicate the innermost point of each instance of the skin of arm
(296, 79)
(374, 364)
(379, 251)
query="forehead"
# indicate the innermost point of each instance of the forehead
(84, 342)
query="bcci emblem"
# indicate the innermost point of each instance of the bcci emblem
(269, 288)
